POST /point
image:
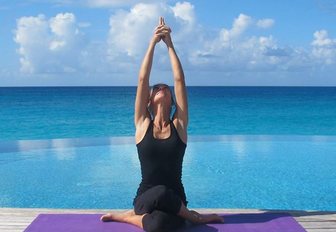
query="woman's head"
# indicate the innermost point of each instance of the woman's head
(161, 94)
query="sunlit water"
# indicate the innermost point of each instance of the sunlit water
(272, 172)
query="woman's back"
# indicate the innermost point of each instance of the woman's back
(161, 161)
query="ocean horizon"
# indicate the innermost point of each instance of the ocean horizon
(101, 111)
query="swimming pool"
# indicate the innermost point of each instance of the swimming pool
(255, 171)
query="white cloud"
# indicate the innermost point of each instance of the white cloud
(31, 34)
(324, 48)
(64, 31)
(184, 11)
(226, 36)
(228, 47)
(58, 45)
(265, 23)
(234, 50)
(52, 45)
(130, 31)
(240, 24)
(322, 39)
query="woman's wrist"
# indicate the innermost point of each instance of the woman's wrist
(170, 48)
(170, 45)
(152, 43)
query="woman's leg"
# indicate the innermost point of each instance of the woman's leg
(162, 199)
(158, 197)
(160, 221)
(156, 221)
(128, 217)
(198, 218)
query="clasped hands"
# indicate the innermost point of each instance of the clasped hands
(162, 32)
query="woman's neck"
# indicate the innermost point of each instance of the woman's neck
(161, 118)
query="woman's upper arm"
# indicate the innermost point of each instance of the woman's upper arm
(181, 102)
(141, 101)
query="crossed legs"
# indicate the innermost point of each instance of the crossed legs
(160, 209)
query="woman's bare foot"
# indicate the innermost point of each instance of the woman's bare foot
(205, 218)
(119, 217)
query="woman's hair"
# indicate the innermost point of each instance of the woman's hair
(173, 105)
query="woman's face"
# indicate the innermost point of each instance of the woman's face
(161, 92)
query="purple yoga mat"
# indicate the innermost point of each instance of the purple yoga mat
(245, 222)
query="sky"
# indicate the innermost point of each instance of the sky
(219, 43)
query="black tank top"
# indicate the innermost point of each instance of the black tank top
(161, 161)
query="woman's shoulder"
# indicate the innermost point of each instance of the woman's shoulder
(181, 130)
(141, 129)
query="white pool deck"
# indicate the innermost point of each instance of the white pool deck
(17, 219)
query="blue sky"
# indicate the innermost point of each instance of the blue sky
(220, 43)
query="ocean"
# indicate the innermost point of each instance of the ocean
(78, 112)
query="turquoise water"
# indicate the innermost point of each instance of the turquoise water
(249, 147)
(267, 172)
(73, 112)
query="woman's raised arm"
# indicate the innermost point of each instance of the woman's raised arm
(142, 94)
(179, 83)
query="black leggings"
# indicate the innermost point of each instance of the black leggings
(161, 206)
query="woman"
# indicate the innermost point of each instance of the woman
(160, 202)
